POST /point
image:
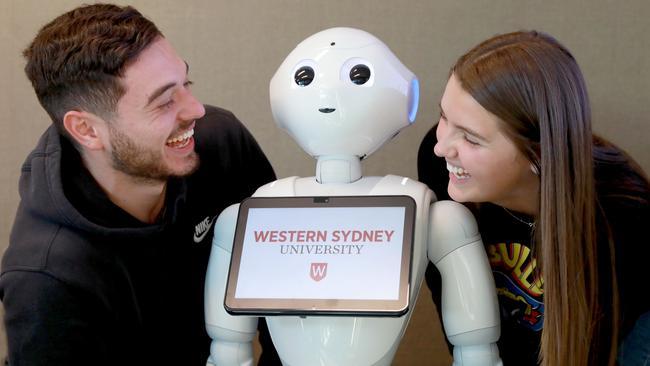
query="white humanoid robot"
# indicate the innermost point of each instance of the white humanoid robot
(341, 94)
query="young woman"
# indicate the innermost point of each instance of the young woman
(561, 212)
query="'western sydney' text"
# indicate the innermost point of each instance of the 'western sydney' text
(321, 236)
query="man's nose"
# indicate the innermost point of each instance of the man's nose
(192, 108)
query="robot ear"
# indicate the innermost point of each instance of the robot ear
(414, 99)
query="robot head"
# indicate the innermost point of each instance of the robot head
(343, 92)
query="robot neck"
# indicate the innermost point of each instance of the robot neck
(338, 169)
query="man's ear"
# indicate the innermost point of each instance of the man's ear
(85, 128)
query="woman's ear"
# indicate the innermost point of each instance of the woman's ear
(83, 127)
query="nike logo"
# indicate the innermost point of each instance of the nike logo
(202, 229)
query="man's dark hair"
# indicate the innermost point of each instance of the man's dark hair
(75, 62)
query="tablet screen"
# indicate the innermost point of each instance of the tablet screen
(322, 255)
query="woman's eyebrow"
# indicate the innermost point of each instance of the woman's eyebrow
(463, 128)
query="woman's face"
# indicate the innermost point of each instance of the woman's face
(484, 165)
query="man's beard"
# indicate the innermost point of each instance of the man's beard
(142, 164)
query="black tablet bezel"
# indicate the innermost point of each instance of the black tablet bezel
(265, 306)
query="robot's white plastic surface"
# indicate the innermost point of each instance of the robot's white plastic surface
(357, 96)
(331, 115)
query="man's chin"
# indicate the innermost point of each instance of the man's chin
(192, 165)
(155, 174)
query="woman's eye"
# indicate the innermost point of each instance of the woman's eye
(472, 142)
(360, 74)
(304, 76)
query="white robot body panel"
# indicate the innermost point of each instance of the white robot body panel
(349, 340)
(336, 340)
(233, 335)
(341, 94)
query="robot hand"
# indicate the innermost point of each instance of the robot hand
(232, 337)
(470, 309)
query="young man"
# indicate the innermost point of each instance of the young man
(111, 240)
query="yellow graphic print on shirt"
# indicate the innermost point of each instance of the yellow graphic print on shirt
(519, 286)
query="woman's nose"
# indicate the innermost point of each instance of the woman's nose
(443, 147)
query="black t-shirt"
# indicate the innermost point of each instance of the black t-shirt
(508, 239)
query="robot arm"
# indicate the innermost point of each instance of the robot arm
(470, 309)
(232, 336)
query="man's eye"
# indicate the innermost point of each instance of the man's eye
(167, 105)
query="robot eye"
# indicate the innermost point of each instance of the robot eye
(360, 74)
(304, 76)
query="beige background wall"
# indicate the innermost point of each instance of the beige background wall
(234, 47)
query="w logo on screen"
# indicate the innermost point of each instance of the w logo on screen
(318, 271)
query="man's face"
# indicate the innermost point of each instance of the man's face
(151, 137)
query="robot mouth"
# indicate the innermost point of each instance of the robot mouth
(326, 110)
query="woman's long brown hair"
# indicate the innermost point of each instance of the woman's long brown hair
(534, 85)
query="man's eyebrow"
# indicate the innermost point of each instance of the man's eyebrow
(158, 92)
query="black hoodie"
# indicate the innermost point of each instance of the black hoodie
(83, 282)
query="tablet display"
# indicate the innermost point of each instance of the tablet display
(332, 255)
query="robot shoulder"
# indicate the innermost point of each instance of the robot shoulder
(451, 226)
(398, 185)
(279, 188)
(224, 228)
